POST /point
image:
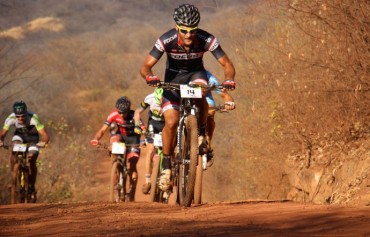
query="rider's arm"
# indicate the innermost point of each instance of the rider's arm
(2, 135)
(228, 66)
(146, 68)
(101, 132)
(228, 99)
(226, 96)
(137, 113)
(44, 135)
(40, 128)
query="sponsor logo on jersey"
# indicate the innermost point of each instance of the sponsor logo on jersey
(159, 45)
(166, 41)
(186, 56)
(213, 45)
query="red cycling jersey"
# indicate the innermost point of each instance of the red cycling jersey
(126, 125)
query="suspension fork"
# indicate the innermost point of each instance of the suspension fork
(182, 116)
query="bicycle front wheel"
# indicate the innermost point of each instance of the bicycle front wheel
(15, 190)
(115, 187)
(189, 156)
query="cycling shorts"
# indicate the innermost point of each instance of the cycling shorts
(171, 98)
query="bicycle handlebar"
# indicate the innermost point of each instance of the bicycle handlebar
(176, 86)
(7, 146)
(106, 146)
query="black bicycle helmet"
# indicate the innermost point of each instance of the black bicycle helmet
(186, 15)
(20, 108)
(123, 104)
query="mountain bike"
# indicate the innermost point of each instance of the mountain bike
(19, 190)
(121, 184)
(184, 168)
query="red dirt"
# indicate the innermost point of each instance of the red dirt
(251, 218)
(245, 218)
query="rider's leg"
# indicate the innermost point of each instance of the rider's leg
(171, 117)
(148, 167)
(132, 161)
(203, 114)
(210, 126)
(13, 170)
(209, 133)
(148, 161)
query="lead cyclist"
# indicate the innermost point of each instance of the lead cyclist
(184, 45)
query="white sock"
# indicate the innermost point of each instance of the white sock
(147, 178)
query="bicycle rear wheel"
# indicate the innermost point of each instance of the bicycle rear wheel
(115, 188)
(189, 154)
(129, 186)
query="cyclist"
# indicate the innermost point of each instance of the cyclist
(229, 105)
(28, 129)
(184, 45)
(123, 117)
(156, 122)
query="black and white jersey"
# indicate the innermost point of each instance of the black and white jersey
(178, 60)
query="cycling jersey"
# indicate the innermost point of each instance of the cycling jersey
(178, 60)
(126, 125)
(156, 118)
(27, 131)
(155, 111)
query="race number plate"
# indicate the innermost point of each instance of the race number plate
(20, 147)
(157, 140)
(118, 148)
(190, 92)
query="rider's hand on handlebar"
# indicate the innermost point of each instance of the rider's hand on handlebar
(152, 81)
(229, 105)
(229, 85)
(94, 142)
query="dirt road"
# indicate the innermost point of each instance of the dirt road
(247, 218)
(145, 219)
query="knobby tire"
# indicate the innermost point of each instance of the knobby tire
(114, 193)
(188, 171)
(15, 195)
